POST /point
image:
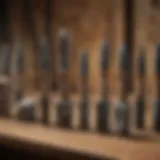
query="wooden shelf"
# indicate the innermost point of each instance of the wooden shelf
(89, 143)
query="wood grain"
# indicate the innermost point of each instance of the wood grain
(92, 143)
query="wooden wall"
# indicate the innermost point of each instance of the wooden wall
(88, 21)
(147, 38)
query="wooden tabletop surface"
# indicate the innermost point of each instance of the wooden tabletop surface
(92, 143)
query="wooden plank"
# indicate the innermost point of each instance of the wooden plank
(90, 143)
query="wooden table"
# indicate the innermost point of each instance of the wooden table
(118, 148)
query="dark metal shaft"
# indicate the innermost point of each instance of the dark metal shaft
(103, 104)
(27, 110)
(156, 107)
(122, 109)
(64, 110)
(84, 103)
(45, 64)
(140, 104)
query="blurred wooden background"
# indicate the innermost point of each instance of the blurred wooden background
(88, 22)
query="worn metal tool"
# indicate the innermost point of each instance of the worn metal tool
(122, 108)
(140, 104)
(64, 108)
(103, 104)
(156, 107)
(84, 103)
